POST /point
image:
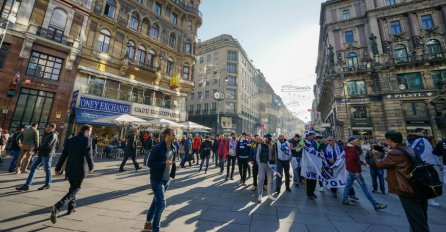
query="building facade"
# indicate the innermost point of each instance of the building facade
(380, 67)
(137, 58)
(38, 59)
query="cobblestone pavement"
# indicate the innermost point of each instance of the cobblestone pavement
(113, 201)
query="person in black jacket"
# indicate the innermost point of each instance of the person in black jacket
(205, 148)
(162, 169)
(147, 144)
(45, 153)
(78, 153)
(14, 149)
(130, 151)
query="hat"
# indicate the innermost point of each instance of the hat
(309, 132)
(269, 136)
(352, 139)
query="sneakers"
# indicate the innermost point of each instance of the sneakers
(148, 226)
(297, 185)
(23, 188)
(380, 206)
(259, 199)
(433, 203)
(309, 197)
(354, 198)
(271, 197)
(314, 196)
(138, 168)
(226, 179)
(349, 203)
(70, 210)
(322, 189)
(53, 216)
(288, 189)
(232, 178)
(121, 170)
(44, 187)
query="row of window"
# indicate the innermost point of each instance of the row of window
(411, 111)
(406, 81)
(230, 94)
(345, 13)
(231, 56)
(229, 108)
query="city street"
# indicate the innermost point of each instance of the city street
(112, 201)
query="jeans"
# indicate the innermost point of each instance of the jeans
(296, 172)
(283, 165)
(159, 187)
(221, 163)
(146, 156)
(46, 165)
(350, 180)
(377, 173)
(206, 157)
(70, 197)
(416, 213)
(15, 156)
(195, 152)
(243, 168)
(185, 158)
(230, 159)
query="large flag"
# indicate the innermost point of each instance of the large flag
(316, 167)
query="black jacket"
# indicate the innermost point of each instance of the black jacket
(206, 147)
(78, 153)
(130, 147)
(48, 145)
(440, 150)
(148, 144)
(157, 161)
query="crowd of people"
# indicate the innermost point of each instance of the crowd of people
(273, 163)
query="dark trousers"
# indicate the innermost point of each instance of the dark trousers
(281, 166)
(126, 157)
(197, 153)
(185, 158)
(255, 172)
(310, 186)
(243, 168)
(416, 213)
(70, 197)
(205, 157)
(231, 159)
(377, 173)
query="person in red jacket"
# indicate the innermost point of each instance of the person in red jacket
(196, 147)
(222, 153)
(231, 154)
(353, 164)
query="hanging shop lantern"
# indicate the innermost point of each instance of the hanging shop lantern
(175, 82)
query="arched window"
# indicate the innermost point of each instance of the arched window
(401, 53)
(352, 60)
(104, 40)
(434, 48)
(134, 21)
(130, 50)
(57, 24)
(110, 8)
(141, 56)
(170, 66)
(186, 71)
(151, 57)
(187, 47)
(145, 27)
(154, 31)
(172, 40)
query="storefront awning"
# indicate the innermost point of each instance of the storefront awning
(89, 117)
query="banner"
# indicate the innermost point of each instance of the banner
(316, 167)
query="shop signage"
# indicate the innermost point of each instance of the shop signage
(361, 123)
(410, 95)
(148, 111)
(359, 99)
(175, 82)
(418, 122)
(105, 106)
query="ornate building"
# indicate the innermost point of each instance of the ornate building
(380, 65)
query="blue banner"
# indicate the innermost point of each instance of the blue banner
(89, 117)
(105, 106)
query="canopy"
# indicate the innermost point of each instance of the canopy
(160, 122)
(192, 126)
(121, 119)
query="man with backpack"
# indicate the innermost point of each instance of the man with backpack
(399, 167)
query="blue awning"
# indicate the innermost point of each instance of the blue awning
(89, 117)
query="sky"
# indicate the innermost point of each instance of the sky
(281, 37)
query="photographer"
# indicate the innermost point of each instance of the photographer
(376, 173)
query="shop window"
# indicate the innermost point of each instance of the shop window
(400, 53)
(44, 66)
(434, 48)
(111, 89)
(415, 111)
(356, 88)
(359, 112)
(438, 77)
(410, 81)
(32, 106)
(125, 92)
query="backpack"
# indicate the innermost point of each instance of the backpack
(424, 179)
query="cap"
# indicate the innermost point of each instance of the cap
(269, 136)
(309, 132)
(352, 139)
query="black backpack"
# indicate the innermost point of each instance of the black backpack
(424, 178)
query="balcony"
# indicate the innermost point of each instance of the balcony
(144, 66)
(54, 35)
(187, 8)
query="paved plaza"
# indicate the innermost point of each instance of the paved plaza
(112, 201)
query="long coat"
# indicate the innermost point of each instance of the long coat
(79, 155)
(130, 147)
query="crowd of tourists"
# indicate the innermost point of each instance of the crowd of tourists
(272, 163)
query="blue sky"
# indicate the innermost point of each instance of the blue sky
(280, 36)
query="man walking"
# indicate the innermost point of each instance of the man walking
(28, 140)
(162, 169)
(263, 158)
(243, 151)
(398, 167)
(196, 148)
(283, 157)
(78, 154)
(147, 144)
(46, 151)
(295, 158)
(308, 142)
(222, 153)
(130, 151)
(252, 160)
(187, 151)
(206, 148)
(353, 165)
(231, 148)
(14, 149)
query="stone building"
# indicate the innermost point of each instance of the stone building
(380, 65)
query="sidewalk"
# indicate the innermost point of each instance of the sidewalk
(112, 201)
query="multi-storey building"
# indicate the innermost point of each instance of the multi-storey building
(380, 66)
(38, 59)
(137, 58)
